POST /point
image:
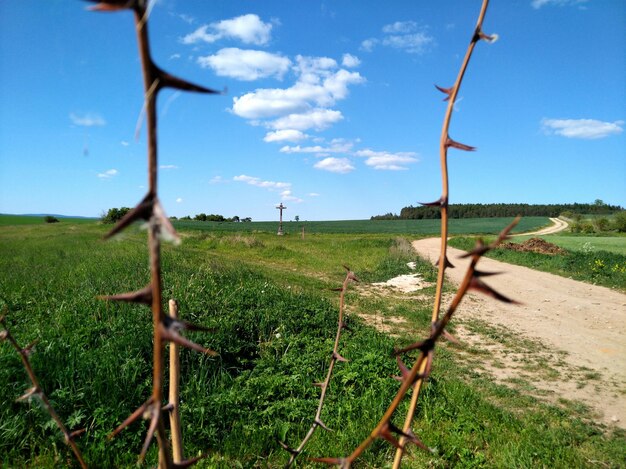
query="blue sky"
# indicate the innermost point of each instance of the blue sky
(330, 106)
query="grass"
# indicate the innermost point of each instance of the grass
(269, 299)
(571, 242)
(600, 267)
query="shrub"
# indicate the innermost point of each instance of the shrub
(601, 224)
(619, 221)
(50, 219)
(114, 215)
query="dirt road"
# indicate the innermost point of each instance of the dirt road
(558, 225)
(582, 326)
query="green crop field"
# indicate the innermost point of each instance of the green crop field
(12, 220)
(408, 227)
(271, 303)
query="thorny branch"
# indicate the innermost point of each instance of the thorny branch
(165, 328)
(418, 373)
(36, 391)
(445, 143)
(335, 357)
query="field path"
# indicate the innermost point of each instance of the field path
(585, 321)
(558, 225)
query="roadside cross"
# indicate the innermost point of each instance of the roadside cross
(280, 207)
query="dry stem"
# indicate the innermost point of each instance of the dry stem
(37, 391)
(335, 357)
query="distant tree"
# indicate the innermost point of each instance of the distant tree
(186, 217)
(200, 217)
(50, 219)
(297, 218)
(246, 220)
(173, 218)
(235, 219)
(113, 215)
(619, 221)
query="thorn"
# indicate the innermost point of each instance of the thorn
(170, 81)
(154, 414)
(478, 285)
(346, 267)
(404, 371)
(344, 325)
(338, 357)
(479, 250)
(31, 392)
(171, 335)
(321, 424)
(130, 419)
(340, 462)
(319, 385)
(188, 462)
(28, 350)
(168, 407)
(287, 448)
(424, 346)
(447, 91)
(385, 433)
(143, 296)
(112, 5)
(143, 211)
(336, 289)
(440, 202)
(178, 325)
(409, 435)
(450, 338)
(480, 273)
(457, 145)
(353, 277)
(76, 433)
(166, 229)
(488, 38)
(446, 263)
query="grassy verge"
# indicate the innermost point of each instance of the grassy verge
(597, 267)
(269, 300)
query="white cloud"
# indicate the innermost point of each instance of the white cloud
(168, 166)
(313, 194)
(287, 196)
(216, 180)
(387, 161)
(255, 181)
(285, 135)
(174, 56)
(404, 35)
(109, 173)
(335, 165)
(582, 128)
(402, 27)
(304, 105)
(318, 119)
(336, 146)
(350, 61)
(246, 65)
(536, 4)
(369, 44)
(87, 120)
(124, 143)
(179, 200)
(249, 29)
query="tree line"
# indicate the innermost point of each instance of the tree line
(501, 210)
(113, 215)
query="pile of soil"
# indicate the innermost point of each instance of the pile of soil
(535, 245)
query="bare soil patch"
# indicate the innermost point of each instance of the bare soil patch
(535, 245)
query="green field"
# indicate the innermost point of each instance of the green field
(12, 220)
(616, 244)
(408, 227)
(271, 303)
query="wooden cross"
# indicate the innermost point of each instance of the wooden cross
(280, 207)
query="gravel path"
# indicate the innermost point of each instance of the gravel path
(585, 321)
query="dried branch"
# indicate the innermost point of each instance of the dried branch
(419, 372)
(335, 357)
(165, 328)
(37, 392)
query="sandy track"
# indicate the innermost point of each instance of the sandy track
(558, 225)
(587, 322)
